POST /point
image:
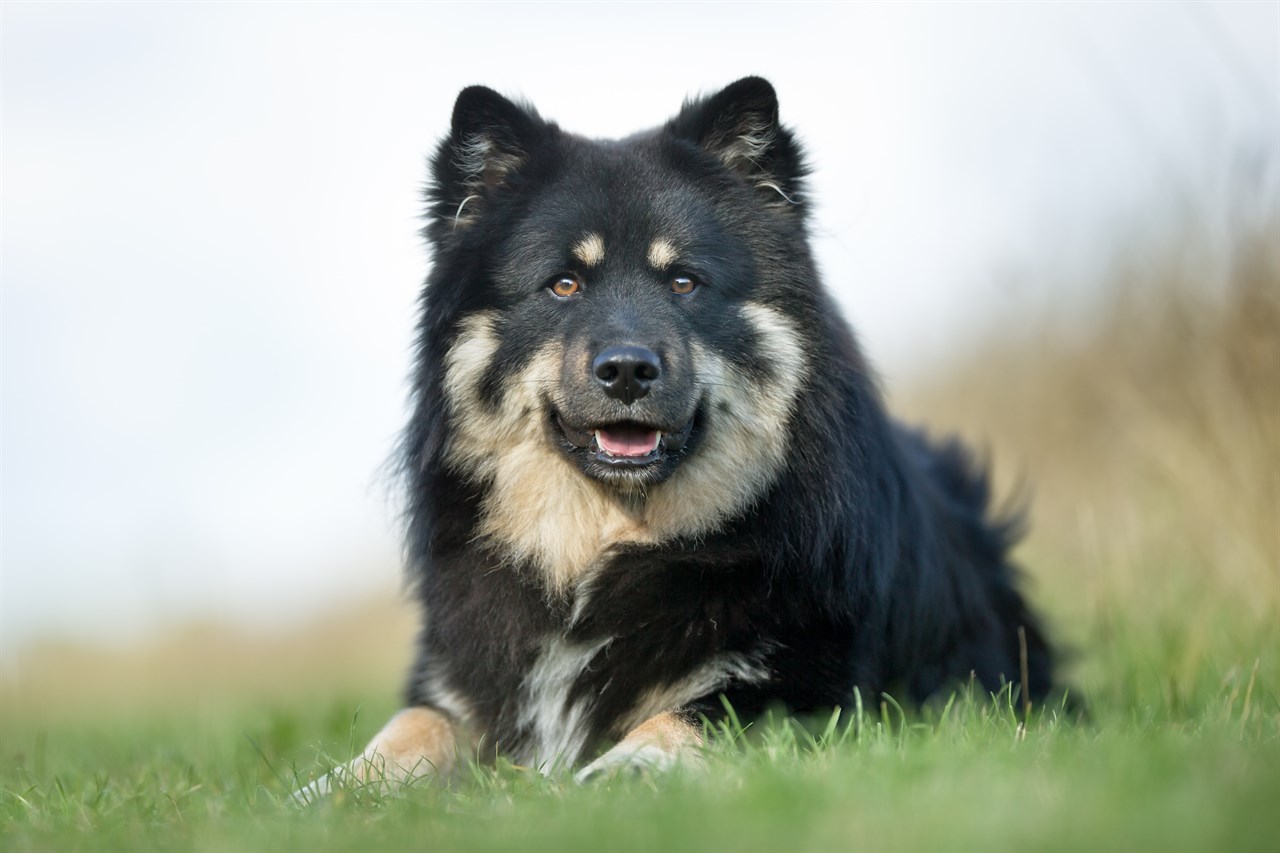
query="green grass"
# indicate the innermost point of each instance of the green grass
(967, 776)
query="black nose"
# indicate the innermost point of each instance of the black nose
(626, 372)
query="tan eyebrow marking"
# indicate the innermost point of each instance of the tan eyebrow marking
(661, 253)
(590, 250)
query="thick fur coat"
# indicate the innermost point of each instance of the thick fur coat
(648, 468)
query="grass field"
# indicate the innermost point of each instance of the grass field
(1153, 444)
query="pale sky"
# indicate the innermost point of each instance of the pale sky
(210, 257)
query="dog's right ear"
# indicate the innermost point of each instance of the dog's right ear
(490, 138)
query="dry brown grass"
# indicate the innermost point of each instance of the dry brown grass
(359, 650)
(1150, 442)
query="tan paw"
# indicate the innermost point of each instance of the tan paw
(417, 743)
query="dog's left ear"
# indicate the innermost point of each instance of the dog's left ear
(739, 125)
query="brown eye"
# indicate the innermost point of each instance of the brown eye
(566, 286)
(683, 285)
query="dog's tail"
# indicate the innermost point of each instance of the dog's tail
(995, 635)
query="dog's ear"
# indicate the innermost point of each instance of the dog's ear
(490, 138)
(739, 125)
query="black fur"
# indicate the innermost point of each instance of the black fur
(869, 559)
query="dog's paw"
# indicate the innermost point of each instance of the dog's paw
(368, 773)
(418, 743)
(352, 775)
(317, 790)
(655, 746)
(630, 758)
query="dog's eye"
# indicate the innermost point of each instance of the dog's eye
(566, 286)
(683, 285)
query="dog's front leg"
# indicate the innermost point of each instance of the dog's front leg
(416, 743)
(657, 744)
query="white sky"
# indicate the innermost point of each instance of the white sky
(210, 256)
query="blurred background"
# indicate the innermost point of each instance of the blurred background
(1053, 226)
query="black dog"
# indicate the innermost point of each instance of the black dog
(648, 467)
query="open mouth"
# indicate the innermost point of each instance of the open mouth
(627, 440)
(625, 445)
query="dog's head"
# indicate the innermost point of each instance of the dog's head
(632, 307)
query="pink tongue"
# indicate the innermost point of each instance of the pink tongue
(625, 441)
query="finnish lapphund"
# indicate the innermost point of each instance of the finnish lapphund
(648, 469)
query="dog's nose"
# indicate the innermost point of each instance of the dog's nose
(627, 372)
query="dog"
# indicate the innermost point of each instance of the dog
(648, 468)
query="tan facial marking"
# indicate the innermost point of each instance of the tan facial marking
(662, 254)
(745, 442)
(539, 506)
(590, 250)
